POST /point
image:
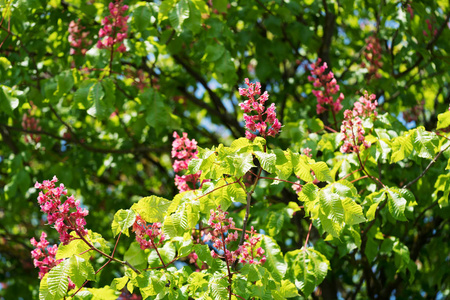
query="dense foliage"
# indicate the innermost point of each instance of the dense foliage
(190, 181)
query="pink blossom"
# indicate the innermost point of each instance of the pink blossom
(44, 257)
(78, 38)
(115, 28)
(325, 99)
(149, 236)
(372, 54)
(183, 150)
(267, 125)
(352, 131)
(31, 123)
(67, 216)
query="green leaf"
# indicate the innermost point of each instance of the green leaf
(288, 289)
(104, 293)
(218, 288)
(425, 143)
(95, 97)
(267, 161)
(224, 194)
(184, 248)
(353, 212)
(80, 270)
(81, 95)
(119, 283)
(136, 256)
(178, 14)
(301, 167)
(283, 164)
(123, 219)
(203, 253)
(75, 247)
(402, 147)
(213, 52)
(321, 171)
(141, 16)
(275, 263)
(8, 103)
(442, 184)
(64, 83)
(58, 281)
(167, 253)
(307, 268)
(443, 120)
(157, 113)
(251, 271)
(152, 209)
(275, 222)
(397, 204)
(240, 163)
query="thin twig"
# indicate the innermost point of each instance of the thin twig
(426, 169)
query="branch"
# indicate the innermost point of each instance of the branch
(426, 169)
(428, 47)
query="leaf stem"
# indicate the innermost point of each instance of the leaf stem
(307, 236)
(159, 255)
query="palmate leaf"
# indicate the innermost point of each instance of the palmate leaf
(123, 219)
(307, 268)
(338, 207)
(152, 209)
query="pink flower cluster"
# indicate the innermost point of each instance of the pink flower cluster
(183, 150)
(351, 129)
(78, 38)
(372, 54)
(325, 99)
(431, 30)
(115, 28)
(44, 252)
(59, 213)
(31, 123)
(270, 126)
(247, 253)
(365, 108)
(44, 257)
(148, 236)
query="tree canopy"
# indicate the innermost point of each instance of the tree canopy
(339, 174)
